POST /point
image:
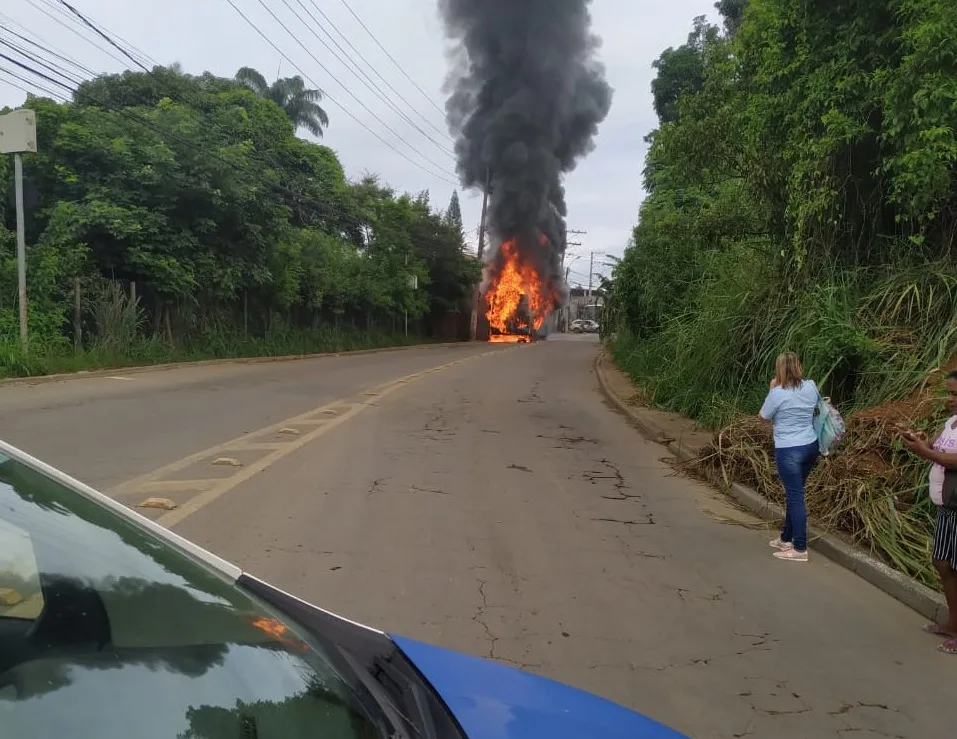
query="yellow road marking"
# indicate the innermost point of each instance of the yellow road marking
(335, 413)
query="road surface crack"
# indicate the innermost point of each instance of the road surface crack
(417, 489)
(480, 616)
(648, 520)
(848, 707)
(567, 442)
(376, 486)
(613, 473)
(717, 595)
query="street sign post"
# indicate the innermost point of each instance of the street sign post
(18, 135)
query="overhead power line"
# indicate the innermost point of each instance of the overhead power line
(344, 109)
(347, 61)
(74, 31)
(371, 66)
(69, 60)
(102, 34)
(391, 58)
(49, 66)
(335, 79)
(15, 80)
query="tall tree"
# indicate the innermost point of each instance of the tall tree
(681, 71)
(453, 216)
(291, 94)
(732, 14)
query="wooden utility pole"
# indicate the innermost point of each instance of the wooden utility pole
(473, 329)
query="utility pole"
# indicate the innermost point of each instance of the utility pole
(591, 269)
(571, 243)
(473, 327)
(488, 185)
(568, 307)
(18, 135)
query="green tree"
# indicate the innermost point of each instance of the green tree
(680, 71)
(732, 13)
(289, 93)
(453, 215)
(196, 189)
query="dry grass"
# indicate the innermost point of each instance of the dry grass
(869, 489)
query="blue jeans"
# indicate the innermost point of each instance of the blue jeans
(794, 466)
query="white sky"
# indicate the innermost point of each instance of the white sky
(603, 192)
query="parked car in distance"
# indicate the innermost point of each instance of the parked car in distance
(584, 325)
(112, 627)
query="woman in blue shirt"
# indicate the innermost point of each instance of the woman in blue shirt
(790, 406)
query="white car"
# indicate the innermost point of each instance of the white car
(584, 325)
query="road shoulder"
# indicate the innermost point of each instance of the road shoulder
(142, 368)
(685, 440)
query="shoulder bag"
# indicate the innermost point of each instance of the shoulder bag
(828, 425)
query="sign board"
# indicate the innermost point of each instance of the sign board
(18, 132)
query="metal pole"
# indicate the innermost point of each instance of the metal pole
(568, 307)
(77, 316)
(21, 248)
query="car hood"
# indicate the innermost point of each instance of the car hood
(493, 701)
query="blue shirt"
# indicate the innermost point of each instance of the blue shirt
(792, 411)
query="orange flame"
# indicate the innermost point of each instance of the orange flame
(515, 280)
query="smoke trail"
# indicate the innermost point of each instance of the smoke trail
(526, 97)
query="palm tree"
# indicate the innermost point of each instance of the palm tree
(290, 94)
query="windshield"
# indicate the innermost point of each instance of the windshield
(107, 632)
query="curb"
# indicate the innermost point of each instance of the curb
(929, 604)
(142, 368)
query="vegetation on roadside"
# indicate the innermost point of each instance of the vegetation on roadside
(172, 216)
(802, 195)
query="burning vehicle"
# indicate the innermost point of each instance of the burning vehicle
(517, 298)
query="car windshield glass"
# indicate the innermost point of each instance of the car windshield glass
(108, 632)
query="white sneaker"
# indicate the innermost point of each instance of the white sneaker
(782, 545)
(792, 555)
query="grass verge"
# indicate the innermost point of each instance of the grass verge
(54, 357)
(875, 340)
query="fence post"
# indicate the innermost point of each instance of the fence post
(133, 292)
(77, 316)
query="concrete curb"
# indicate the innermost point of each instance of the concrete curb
(142, 368)
(920, 598)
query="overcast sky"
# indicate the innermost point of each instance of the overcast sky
(603, 192)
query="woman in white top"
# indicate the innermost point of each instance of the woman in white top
(943, 454)
(790, 405)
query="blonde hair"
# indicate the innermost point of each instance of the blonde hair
(788, 371)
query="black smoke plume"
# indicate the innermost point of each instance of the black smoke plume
(526, 96)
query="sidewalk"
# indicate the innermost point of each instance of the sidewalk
(687, 441)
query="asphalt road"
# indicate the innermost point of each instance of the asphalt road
(497, 506)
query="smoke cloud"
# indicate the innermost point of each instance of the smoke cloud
(526, 96)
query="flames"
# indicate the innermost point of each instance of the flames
(517, 297)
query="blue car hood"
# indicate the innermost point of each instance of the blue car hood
(493, 701)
